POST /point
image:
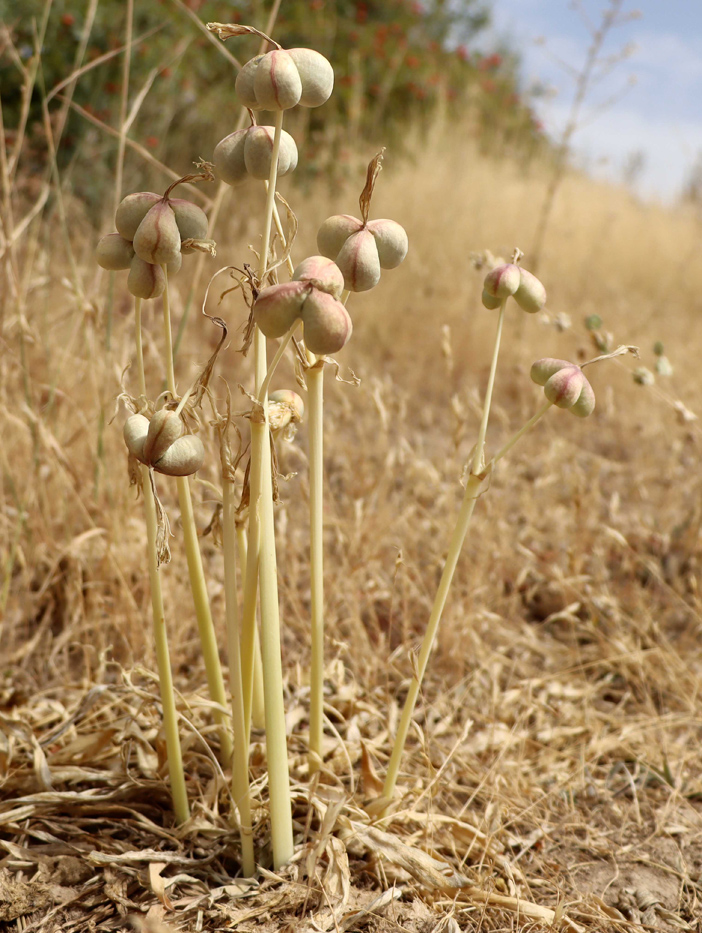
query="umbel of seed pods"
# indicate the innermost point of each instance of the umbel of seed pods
(565, 385)
(161, 445)
(510, 280)
(312, 297)
(150, 232)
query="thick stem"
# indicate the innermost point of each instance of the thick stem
(460, 531)
(163, 663)
(198, 585)
(257, 704)
(240, 768)
(315, 389)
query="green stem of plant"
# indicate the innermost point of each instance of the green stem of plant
(505, 449)
(262, 511)
(198, 585)
(257, 705)
(165, 678)
(240, 767)
(315, 396)
(460, 531)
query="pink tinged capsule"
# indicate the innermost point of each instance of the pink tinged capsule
(327, 325)
(334, 232)
(278, 307)
(322, 273)
(502, 281)
(359, 262)
(391, 241)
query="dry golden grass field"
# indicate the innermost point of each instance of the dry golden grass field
(552, 777)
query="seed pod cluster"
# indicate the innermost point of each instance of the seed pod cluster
(150, 233)
(565, 385)
(248, 154)
(510, 280)
(312, 296)
(282, 79)
(161, 445)
(360, 249)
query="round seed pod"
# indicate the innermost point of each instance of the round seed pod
(132, 210)
(326, 322)
(113, 252)
(258, 152)
(191, 221)
(322, 273)
(228, 157)
(542, 370)
(135, 430)
(157, 239)
(334, 232)
(183, 458)
(531, 295)
(244, 85)
(563, 388)
(173, 267)
(502, 281)
(145, 280)
(391, 240)
(276, 82)
(292, 400)
(490, 302)
(359, 262)
(165, 428)
(585, 404)
(278, 307)
(316, 74)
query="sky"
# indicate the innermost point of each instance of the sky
(659, 116)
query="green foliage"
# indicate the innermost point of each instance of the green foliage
(397, 63)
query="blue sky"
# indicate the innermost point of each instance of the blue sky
(659, 116)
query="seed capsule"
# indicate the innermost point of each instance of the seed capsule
(565, 385)
(278, 307)
(157, 239)
(183, 458)
(276, 83)
(542, 370)
(322, 273)
(290, 400)
(531, 294)
(258, 152)
(359, 262)
(191, 221)
(503, 281)
(391, 241)
(334, 232)
(135, 430)
(132, 210)
(165, 428)
(145, 280)
(244, 85)
(326, 322)
(316, 75)
(113, 252)
(490, 302)
(228, 157)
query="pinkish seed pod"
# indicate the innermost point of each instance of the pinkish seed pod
(132, 210)
(183, 458)
(191, 221)
(145, 280)
(244, 85)
(334, 232)
(291, 400)
(258, 152)
(278, 307)
(585, 404)
(542, 370)
(228, 157)
(316, 74)
(158, 239)
(173, 267)
(276, 82)
(391, 240)
(326, 322)
(490, 302)
(531, 295)
(322, 273)
(113, 252)
(165, 428)
(359, 262)
(502, 281)
(564, 387)
(135, 430)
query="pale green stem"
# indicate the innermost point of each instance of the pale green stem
(198, 585)
(315, 395)
(265, 385)
(257, 704)
(261, 512)
(460, 531)
(240, 768)
(163, 662)
(504, 450)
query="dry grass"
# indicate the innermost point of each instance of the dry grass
(553, 776)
